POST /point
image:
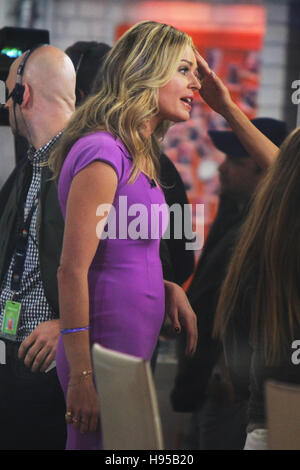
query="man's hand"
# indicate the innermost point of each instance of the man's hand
(39, 348)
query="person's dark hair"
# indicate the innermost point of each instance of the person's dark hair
(87, 57)
(267, 259)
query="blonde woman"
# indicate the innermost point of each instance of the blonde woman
(258, 314)
(111, 290)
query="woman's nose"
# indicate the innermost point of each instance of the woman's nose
(195, 83)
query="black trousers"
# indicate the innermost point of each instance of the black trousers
(32, 406)
(218, 427)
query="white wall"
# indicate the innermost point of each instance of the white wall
(273, 75)
(85, 20)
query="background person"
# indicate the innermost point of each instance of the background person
(41, 87)
(202, 384)
(87, 58)
(258, 310)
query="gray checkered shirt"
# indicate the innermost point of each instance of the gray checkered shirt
(35, 308)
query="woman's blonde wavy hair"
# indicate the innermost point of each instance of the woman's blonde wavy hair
(144, 59)
(269, 248)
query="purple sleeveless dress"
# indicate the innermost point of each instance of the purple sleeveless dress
(126, 291)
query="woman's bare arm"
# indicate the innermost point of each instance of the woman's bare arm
(216, 95)
(94, 185)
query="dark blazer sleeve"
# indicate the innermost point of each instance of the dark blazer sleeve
(182, 260)
(193, 374)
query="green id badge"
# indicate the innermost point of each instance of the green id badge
(11, 318)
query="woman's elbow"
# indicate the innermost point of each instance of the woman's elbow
(68, 272)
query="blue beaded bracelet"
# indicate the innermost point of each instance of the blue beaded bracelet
(73, 330)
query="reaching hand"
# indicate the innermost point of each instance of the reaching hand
(213, 91)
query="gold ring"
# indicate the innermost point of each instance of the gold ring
(68, 415)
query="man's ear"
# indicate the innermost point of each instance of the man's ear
(26, 95)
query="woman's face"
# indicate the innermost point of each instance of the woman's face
(176, 97)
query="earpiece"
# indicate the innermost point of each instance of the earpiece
(79, 62)
(18, 91)
(17, 94)
(79, 93)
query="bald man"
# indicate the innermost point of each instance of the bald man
(41, 99)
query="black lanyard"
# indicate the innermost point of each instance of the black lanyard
(21, 248)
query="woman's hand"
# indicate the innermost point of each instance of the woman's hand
(82, 404)
(180, 313)
(213, 91)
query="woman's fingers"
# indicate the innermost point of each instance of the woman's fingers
(203, 67)
(84, 422)
(192, 337)
(83, 406)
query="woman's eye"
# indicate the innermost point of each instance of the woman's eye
(184, 70)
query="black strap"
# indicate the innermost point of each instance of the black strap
(21, 248)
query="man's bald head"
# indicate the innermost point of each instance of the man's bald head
(49, 72)
(49, 90)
